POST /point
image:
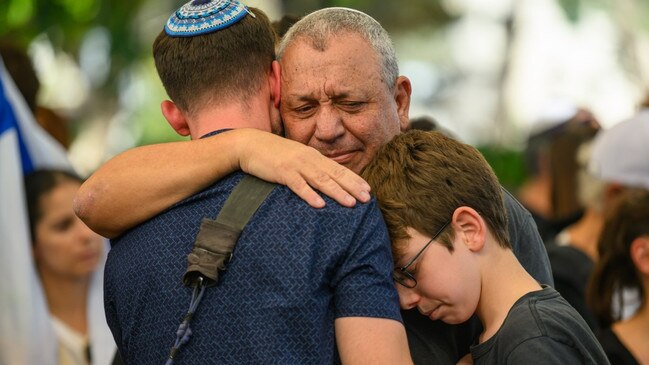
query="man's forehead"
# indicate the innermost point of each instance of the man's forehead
(323, 42)
(341, 84)
(344, 55)
(334, 92)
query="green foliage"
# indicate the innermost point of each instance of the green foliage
(66, 22)
(571, 8)
(19, 12)
(391, 14)
(507, 164)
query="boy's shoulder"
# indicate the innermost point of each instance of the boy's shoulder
(541, 326)
(541, 313)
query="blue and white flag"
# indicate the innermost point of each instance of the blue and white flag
(26, 333)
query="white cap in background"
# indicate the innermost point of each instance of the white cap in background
(621, 154)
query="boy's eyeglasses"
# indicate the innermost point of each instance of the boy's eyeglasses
(401, 274)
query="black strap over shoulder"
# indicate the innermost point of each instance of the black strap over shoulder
(216, 238)
(214, 245)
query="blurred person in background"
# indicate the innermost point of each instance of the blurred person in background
(624, 263)
(549, 192)
(21, 69)
(52, 308)
(573, 251)
(617, 161)
(69, 261)
(564, 165)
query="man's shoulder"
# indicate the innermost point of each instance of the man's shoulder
(293, 205)
(177, 218)
(281, 205)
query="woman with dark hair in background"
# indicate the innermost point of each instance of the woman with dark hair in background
(573, 251)
(623, 264)
(67, 255)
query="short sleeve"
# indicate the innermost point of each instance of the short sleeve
(543, 351)
(363, 283)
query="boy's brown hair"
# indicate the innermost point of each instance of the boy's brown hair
(420, 178)
(218, 66)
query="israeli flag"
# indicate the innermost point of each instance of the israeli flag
(26, 333)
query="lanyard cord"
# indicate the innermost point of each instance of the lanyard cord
(184, 332)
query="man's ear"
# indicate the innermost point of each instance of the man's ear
(639, 252)
(175, 117)
(469, 227)
(274, 82)
(402, 92)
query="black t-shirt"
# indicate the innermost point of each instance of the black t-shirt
(614, 349)
(571, 269)
(435, 342)
(541, 328)
(550, 228)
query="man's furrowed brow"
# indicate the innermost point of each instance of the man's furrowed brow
(341, 95)
(312, 97)
(306, 98)
(336, 96)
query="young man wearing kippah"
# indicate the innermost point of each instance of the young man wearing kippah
(303, 286)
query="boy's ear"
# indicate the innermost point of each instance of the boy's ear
(640, 254)
(274, 80)
(469, 227)
(175, 117)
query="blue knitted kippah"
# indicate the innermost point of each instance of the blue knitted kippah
(205, 16)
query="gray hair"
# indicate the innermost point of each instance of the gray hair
(321, 25)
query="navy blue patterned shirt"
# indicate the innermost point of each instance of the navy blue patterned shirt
(295, 270)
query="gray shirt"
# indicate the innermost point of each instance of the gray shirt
(541, 328)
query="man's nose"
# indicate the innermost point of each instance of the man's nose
(329, 124)
(408, 298)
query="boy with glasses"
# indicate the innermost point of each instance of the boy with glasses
(444, 210)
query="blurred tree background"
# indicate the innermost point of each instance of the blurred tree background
(483, 69)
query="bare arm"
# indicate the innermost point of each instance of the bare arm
(140, 183)
(364, 340)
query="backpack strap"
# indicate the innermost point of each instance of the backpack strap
(216, 239)
(213, 247)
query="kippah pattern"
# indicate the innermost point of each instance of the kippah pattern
(204, 16)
